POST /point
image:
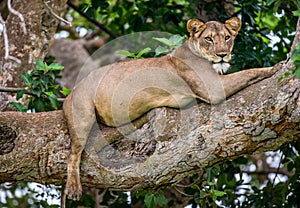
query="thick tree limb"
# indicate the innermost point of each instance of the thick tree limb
(173, 144)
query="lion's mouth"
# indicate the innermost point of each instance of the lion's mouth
(221, 67)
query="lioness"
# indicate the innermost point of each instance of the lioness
(122, 92)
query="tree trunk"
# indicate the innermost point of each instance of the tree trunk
(27, 44)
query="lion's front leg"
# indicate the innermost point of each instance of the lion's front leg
(239, 80)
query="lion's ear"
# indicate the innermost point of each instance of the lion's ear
(195, 27)
(233, 25)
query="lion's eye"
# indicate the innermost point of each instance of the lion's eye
(208, 39)
(227, 37)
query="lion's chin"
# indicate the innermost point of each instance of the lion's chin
(221, 67)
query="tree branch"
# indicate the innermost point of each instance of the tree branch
(15, 12)
(56, 15)
(6, 43)
(98, 24)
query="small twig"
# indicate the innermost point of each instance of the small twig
(181, 192)
(276, 175)
(10, 89)
(6, 46)
(57, 16)
(15, 12)
(278, 168)
(101, 26)
(6, 43)
(111, 201)
(61, 100)
(194, 182)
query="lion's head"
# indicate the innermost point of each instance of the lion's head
(214, 40)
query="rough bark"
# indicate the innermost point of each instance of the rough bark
(171, 145)
(40, 24)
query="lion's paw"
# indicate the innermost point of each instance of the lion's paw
(73, 189)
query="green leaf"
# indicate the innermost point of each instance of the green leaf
(19, 107)
(161, 199)
(173, 42)
(145, 50)
(297, 72)
(216, 193)
(126, 53)
(65, 91)
(269, 2)
(37, 92)
(150, 200)
(295, 55)
(52, 76)
(27, 79)
(53, 99)
(54, 102)
(284, 75)
(164, 41)
(83, 6)
(55, 66)
(40, 65)
(101, 4)
(176, 40)
(20, 94)
(196, 187)
(161, 50)
(91, 12)
(39, 104)
(140, 193)
(296, 13)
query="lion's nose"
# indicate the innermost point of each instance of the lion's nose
(222, 55)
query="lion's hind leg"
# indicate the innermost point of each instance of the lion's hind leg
(80, 116)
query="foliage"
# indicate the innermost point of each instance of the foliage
(207, 196)
(152, 199)
(263, 23)
(253, 47)
(125, 17)
(40, 84)
(133, 55)
(25, 195)
(296, 60)
(112, 199)
(167, 45)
